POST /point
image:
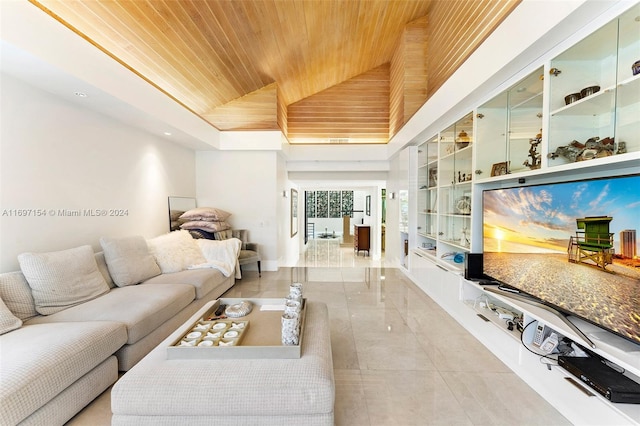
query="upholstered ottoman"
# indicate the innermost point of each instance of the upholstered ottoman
(159, 391)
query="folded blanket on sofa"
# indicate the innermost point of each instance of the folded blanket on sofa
(221, 255)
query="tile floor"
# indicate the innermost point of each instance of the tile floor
(399, 359)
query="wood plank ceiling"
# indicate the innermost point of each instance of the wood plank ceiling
(269, 64)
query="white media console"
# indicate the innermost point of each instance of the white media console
(464, 301)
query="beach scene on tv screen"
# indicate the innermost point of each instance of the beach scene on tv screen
(573, 245)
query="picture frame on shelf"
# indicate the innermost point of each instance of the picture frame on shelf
(499, 169)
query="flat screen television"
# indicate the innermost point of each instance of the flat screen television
(571, 245)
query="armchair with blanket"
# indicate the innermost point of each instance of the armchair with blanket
(211, 223)
(248, 251)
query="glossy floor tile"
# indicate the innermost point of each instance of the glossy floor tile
(332, 253)
(399, 359)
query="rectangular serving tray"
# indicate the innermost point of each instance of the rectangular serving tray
(262, 339)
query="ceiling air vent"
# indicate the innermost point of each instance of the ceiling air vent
(338, 140)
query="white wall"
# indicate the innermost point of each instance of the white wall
(244, 183)
(57, 156)
(398, 181)
(288, 247)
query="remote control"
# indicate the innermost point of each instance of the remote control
(220, 310)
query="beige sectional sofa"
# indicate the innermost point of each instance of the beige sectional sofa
(70, 320)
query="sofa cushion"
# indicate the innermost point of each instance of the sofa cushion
(63, 278)
(8, 321)
(104, 270)
(175, 251)
(214, 226)
(206, 213)
(247, 254)
(147, 307)
(16, 294)
(202, 280)
(40, 361)
(129, 260)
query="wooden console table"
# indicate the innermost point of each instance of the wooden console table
(361, 238)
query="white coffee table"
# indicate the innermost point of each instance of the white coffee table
(231, 391)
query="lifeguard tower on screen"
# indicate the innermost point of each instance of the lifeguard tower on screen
(593, 243)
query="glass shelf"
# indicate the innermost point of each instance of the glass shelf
(598, 103)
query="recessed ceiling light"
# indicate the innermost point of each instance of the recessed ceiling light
(167, 133)
(80, 94)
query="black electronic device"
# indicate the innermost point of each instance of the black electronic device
(608, 382)
(473, 269)
(472, 265)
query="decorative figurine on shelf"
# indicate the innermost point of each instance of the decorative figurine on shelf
(593, 148)
(433, 177)
(464, 237)
(533, 152)
(463, 205)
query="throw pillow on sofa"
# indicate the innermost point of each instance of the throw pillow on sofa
(8, 321)
(17, 295)
(210, 214)
(207, 226)
(129, 260)
(175, 251)
(62, 279)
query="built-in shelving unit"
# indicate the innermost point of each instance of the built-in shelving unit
(617, 350)
(461, 298)
(445, 173)
(526, 133)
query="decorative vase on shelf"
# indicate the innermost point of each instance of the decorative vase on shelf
(463, 140)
